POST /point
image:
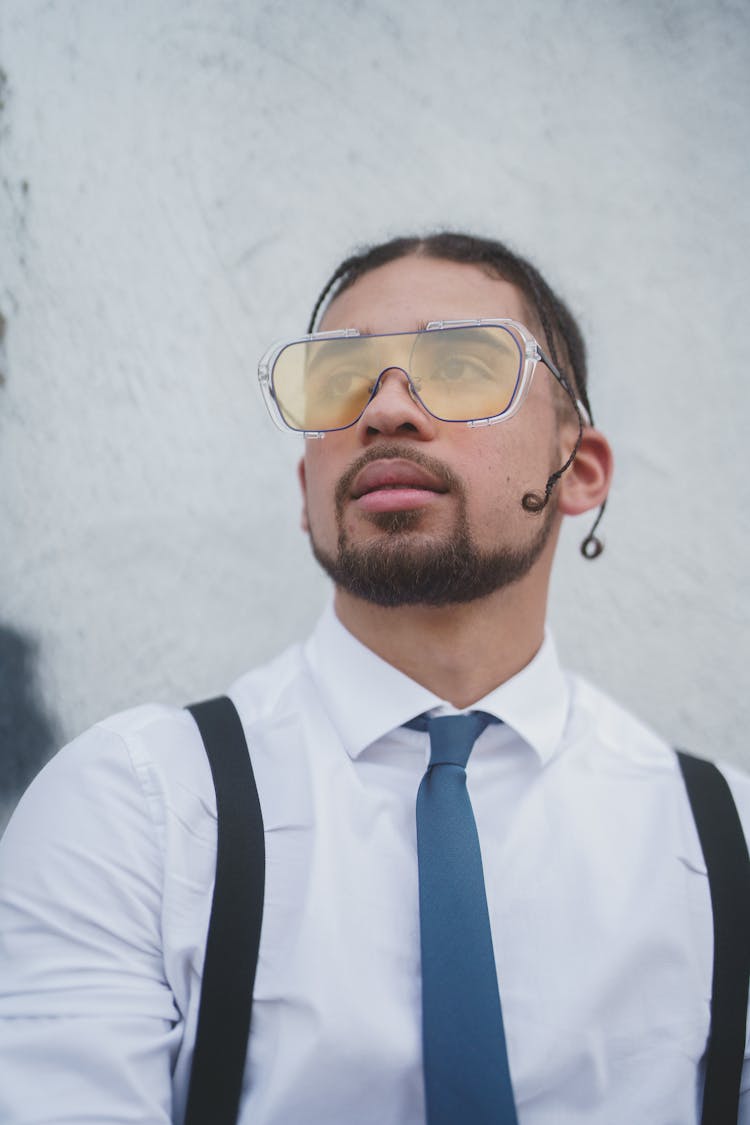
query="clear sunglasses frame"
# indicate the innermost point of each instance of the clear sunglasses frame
(531, 356)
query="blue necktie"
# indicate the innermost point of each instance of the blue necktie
(467, 1080)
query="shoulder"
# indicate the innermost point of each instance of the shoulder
(613, 733)
(617, 734)
(100, 792)
(148, 758)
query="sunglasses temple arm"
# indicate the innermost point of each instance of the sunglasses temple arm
(582, 411)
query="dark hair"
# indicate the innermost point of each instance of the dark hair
(563, 336)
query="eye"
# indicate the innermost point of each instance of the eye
(461, 368)
(341, 381)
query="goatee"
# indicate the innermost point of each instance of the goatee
(407, 567)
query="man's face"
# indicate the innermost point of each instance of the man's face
(404, 509)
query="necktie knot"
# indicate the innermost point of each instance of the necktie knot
(452, 737)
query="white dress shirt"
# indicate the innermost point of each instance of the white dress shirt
(596, 887)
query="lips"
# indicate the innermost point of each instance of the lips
(382, 476)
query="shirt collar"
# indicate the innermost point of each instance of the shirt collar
(365, 697)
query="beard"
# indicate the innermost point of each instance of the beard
(405, 566)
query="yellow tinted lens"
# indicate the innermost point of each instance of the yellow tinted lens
(460, 374)
(325, 384)
(463, 374)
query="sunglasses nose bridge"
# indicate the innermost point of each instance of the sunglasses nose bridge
(389, 370)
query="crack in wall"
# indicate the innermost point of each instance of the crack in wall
(3, 134)
(14, 197)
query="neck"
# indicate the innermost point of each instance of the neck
(459, 652)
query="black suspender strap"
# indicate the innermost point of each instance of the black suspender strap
(725, 852)
(234, 927)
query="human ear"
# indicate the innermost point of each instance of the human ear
(586, 483)
(301, 477)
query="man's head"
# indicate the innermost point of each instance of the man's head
(403, 508)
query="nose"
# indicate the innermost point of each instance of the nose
(394, 411)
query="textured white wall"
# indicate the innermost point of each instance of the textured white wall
(179, 177)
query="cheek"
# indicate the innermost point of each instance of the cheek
(499, 468)
(319, 490)
(493, 459)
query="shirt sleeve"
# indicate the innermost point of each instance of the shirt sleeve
(89, 1027)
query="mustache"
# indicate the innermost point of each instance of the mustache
(393, 452)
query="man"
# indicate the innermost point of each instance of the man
(455, 438)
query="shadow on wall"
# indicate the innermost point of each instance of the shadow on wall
(27, 734)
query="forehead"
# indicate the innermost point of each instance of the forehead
(406, 294)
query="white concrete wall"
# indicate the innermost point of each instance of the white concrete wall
(179, 177)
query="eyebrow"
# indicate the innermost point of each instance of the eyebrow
(323, 349)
